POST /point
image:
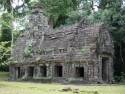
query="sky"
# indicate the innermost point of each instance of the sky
(17, 3)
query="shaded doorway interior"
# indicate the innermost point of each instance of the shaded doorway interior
(105, 61)
(31, 72)
(58, 70)
(19, 74)
(79, 71)
(43, 71)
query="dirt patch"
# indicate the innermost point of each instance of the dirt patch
(77, 91)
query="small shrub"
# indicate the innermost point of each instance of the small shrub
(120, 78)
(28, 49)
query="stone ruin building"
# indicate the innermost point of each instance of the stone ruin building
(75, 53)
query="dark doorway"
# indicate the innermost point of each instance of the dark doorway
(43, 71)
(105, 68)
(31, 72)
(19, 74)
(79, 71)
(58, 71)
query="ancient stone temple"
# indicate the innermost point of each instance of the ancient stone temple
(75, 53)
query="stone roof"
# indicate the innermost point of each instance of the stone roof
(77, 42)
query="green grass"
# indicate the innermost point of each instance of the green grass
(4, 76)
(7, 87)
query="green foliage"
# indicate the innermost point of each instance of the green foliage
(58, 10)
(74, 17)
(5, 40)
(28, 49)
(4, 68)
(40, 51)
(85, 50)
(6, 4)
(113, 16)
(5, 51)
(6, 27)
(18, 10)
(120, 78)
(7, 34)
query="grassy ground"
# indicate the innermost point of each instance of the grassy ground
(7, 87)
(4, 76)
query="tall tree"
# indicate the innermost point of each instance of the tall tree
(114, 17)
(58, 10)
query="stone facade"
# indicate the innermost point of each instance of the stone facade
(76, 53)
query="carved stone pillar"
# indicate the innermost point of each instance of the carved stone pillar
(26, 73)
(37, 73)
(12, 72)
